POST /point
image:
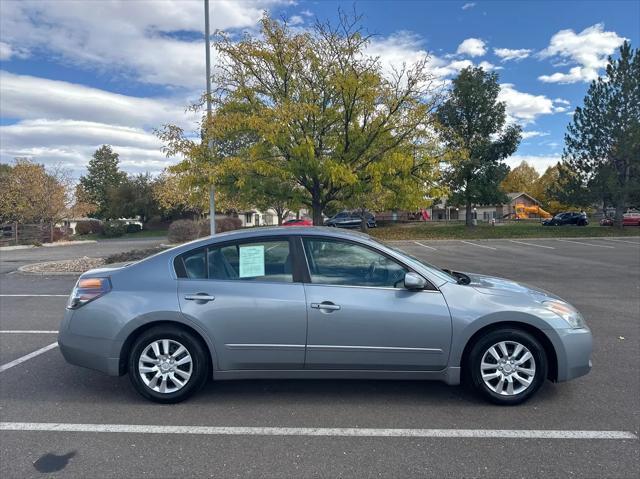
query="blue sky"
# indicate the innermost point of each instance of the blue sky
(76, 74)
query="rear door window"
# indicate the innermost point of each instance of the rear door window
(242, 261)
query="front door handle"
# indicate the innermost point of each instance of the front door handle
(326, 305)
(204, 297)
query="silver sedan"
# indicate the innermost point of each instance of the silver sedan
(316, 303)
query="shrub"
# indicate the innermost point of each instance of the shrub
(86, 227)
(226, 224)
(133, 228)
(187, 230)
(60, 233)
(156, 223)
(222, 224)
(183, 230)
(113, 229)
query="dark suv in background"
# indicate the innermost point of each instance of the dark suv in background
(567, 218)
(350, 219)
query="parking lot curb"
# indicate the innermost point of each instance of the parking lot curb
(46, 245)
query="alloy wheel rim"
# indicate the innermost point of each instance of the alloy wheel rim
(508, 368)
(165, 366)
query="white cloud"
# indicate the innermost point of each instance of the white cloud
(306, 13)
(70, 144)
(407, 47)
(539, 162)
(507, 54)
(135, 38)
(524, 107)
(402, 47)
(296, 20)
(63, 123)
(27, 97)
(486, 66)
(588, 50)
(474, 47)
(533, 133)
(468, 5)
(7, 52)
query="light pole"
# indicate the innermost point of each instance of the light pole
(212, 200)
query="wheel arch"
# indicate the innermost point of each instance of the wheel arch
(549, 349)
(125, 350)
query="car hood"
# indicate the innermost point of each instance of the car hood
(506, 287)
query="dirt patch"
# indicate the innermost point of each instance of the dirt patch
(77, 265)
(133, 255)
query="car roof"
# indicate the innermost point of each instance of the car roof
(276, 231)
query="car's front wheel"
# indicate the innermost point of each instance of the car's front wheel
(168, 364)
(507, 366)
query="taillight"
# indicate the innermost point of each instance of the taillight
(88, 289)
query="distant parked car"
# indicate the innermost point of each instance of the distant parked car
(568, 218)
(628, 219)
(298, 222)
(351, 219)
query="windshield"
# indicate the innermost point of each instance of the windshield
(438, 271)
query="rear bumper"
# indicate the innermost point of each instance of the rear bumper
(574, 353)
(87, 351)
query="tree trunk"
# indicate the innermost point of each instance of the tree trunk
(468, 214)
(619, 212)
(364, 225)
(316, 208)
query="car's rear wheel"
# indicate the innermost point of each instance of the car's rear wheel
(507, 366)
(168, 364)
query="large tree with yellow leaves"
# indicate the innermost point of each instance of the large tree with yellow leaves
(314, 110)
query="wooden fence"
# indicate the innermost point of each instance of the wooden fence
(17, 233)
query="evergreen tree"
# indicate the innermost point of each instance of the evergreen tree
(472, 124)
(103, 175)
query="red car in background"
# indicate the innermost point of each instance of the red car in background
(300, 222)
(628, 219)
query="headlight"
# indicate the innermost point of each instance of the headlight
(566, 312)
(88, 289)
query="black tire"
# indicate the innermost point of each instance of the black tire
(483, 344)
(195, 348)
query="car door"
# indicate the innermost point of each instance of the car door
(361, 317)
(246, 296)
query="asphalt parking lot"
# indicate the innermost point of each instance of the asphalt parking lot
(112, 432)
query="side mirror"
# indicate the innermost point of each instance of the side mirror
(414, 281)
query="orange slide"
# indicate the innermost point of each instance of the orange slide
(523, 212)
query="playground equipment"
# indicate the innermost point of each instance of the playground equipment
(523, 212)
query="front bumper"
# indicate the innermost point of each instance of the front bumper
(574, 353)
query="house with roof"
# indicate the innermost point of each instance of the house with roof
(521, 205)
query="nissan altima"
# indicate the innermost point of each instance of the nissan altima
(316, 303)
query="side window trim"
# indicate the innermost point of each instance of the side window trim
(430, 286)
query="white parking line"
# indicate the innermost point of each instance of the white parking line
(532, 244)
(478, 245)
(637, 243)
(585, 244)
(425, 246)
(34, 295)
(27, 331)
(15, 362)
(317, 431)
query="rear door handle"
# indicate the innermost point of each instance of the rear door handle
(326, 305)
(204, 297)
